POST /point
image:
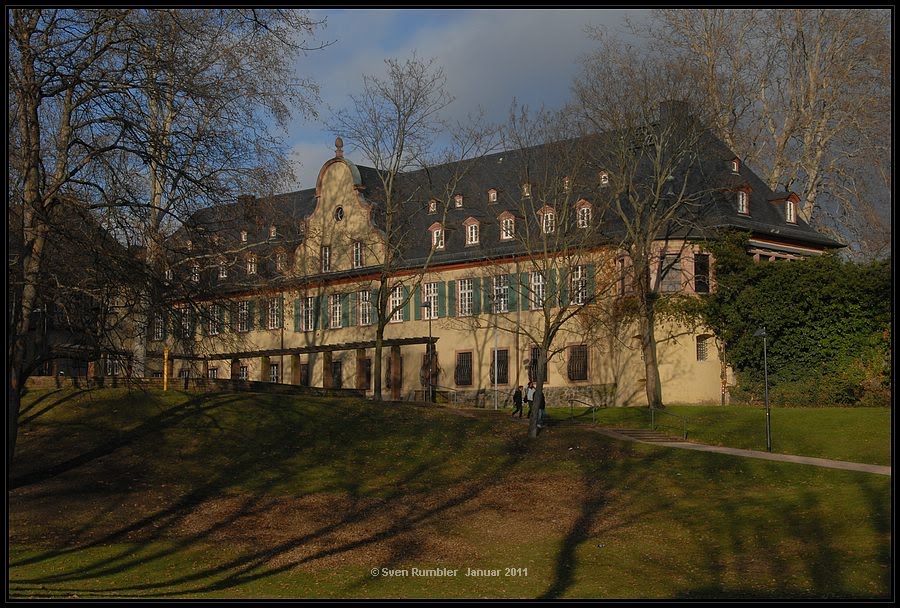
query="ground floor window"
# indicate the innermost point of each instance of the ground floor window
(244, 373)
(273, 373)
(463, 373)
(337, 374)
(533, 365)
(501, 358)
(213, 372)
(702, 348)
(578, 362)
(388, 375)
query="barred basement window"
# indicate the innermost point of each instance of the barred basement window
(577, 368)
(463, 373)
(502, 359)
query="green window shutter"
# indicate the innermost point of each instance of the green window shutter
(564, 287)
(408, 305)
(251, 313)
(263, 309)
(193, 318)
(417, 297)
(513, 292)
(523, 290)
(374, 308)
(345, 310)
(552, 286)
(221, 312)
(451, 298)
(476, 296)
(317, 312)
(488, 291)
(352, 298)
(591, 285)
(281, 311)
(442, 299)
(323, 310)
(297, 319)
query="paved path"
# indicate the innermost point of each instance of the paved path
(819, 462)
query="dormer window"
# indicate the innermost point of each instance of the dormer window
(251, 264)
(195, 273)
(223, 270)
(567, 184)
(604, 178)
(735, 165)
(548, 220)
(585, 213)
(526, 189)
(279, 262)
(273, 232)
(243, 236)
(743, 203)
(437, 236)
(507, 226)
(190, 245)
(432, 206)
(790, 211)
(457, 201)
(472, 231)
(169, 274)
(492, 195)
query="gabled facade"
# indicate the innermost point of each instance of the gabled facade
(466, 281)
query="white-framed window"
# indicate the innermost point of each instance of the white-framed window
(790, 212)
(251, 264)
(223, 271)
(743, 204)
(112, 367)
(472, 234)
(526, 189)
(536, 291)
(501, 294)
(430, 299)
(187, 322)
(492, 196)
(457, 201)
(604, 178)
(364, 307)
(432, 206)
(397, 296)
(214, 321)
(507, 228)
(212, 373)
(243, 372)
(671, 279)
(584, 216)
(336, 310)
(578, 285)
(548, 222)
(325, 255)
(358, 259)
(243, 315)
(274, 375)
(243, 236)
(159, 327)
(466, 296)
(567, 184)
(169, 274)
(273, 232)
(274, 316)
(735, 165)
(307, 313)
(437, 238)
(195, 273)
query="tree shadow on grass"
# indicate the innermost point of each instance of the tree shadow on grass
(67, 395)
(417, 495)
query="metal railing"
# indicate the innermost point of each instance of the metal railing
(651, 411)
(654, 411)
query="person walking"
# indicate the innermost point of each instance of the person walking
(517, 401)
(541, 411)
(529, 397)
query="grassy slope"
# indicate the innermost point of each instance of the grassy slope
(257, 496)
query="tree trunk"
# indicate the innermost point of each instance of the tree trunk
(648, 350)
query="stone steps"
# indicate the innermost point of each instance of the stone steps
(645, 435)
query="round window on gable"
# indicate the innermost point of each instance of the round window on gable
(339, 214)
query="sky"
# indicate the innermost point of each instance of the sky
(490, 57)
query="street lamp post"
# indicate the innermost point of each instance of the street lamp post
(761, 332)
(427, 308)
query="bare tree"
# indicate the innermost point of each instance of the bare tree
(394, 122)
(140, 114)
(803, 95)
(650, 149)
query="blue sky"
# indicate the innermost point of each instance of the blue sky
(490, 57)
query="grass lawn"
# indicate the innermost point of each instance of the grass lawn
(249, 496)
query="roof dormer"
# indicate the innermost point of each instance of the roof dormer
(458, 201)
(492, 195)
(735, 165)
(473, 231)
(437, 235)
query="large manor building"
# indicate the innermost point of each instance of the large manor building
(484, 256)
